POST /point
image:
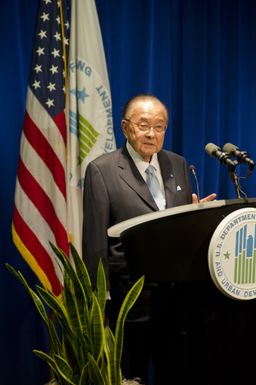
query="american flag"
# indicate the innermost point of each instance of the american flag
(40, 209)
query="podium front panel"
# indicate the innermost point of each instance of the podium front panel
(174, 248)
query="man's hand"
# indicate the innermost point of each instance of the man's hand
(209, 198)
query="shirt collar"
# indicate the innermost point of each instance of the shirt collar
(141, 164)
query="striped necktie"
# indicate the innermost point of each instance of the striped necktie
(154, 187)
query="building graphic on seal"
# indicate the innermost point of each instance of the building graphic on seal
(245, 256)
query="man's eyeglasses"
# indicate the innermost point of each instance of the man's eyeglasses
(145, 127)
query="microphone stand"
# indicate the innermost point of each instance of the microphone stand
(235, 180)
(193, 170)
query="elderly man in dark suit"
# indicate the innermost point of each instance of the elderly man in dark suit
(116, 189)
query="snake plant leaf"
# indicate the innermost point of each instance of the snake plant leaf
(50, 361)
(109, 347)
(84, 375)
(97, 329)
(96, 377)
(127, 304)
(57, 307)
(39, 305)
(71, 305)
(64, 369)
(55, 344)
(75, 321)
(77, 303)
(63, 318)
(76, 282)
(84, 299)
(74, 355)
(82, 273)
(101, 286)
(80, 318)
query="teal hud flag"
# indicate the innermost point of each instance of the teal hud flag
(90, 107)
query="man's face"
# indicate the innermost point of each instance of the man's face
(145, 127)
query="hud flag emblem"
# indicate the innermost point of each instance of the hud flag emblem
(232, 255)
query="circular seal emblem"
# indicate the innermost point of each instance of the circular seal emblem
(232, 254)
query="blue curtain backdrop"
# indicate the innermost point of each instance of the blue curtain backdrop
(197, 56)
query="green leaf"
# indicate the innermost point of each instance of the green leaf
(76, 324)
(50, 361)
(71, 306)
(72, 353)
(97, 329)
(55, 343)
(59, 310)
(82, 273)
(101, 286)
(84, 378)
(64, 369)
(38, 303)
(109, 348)
(82, 293)
(96, 377)
(127, 304)
(71, 272)
(54, 340)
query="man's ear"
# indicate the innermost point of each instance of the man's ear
(124, 125)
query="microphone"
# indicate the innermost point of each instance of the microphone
(223, 157)
(193, 170)
(242, 156)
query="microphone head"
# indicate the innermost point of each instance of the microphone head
(242, 156)
(192, 167)
(229, 148)
(223, 157)
(211, 148)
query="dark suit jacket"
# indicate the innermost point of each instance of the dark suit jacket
(115, 191)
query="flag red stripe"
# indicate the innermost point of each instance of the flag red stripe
(42, 202)
(34, 246)
(60, 121)
(45, 151)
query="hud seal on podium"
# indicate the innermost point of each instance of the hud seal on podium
(232, 255)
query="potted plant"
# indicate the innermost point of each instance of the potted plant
(83, 349)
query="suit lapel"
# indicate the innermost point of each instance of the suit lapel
(130, 174)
